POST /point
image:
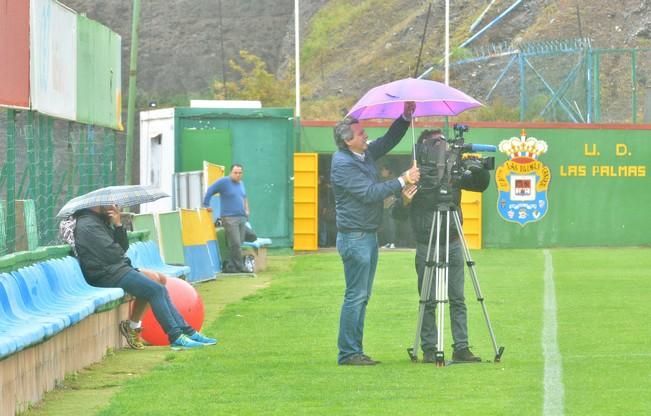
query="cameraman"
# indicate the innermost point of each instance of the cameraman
(439, 188)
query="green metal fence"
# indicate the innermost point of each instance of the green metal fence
(560, 81)
(50, 161)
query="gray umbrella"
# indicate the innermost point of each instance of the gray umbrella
(122, 196)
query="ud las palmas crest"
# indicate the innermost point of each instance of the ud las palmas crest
(523, 180)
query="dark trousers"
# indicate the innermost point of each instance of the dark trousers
(456, 299)
(234, 227)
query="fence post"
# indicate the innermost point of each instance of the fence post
(50, 196)
(634, 83)
(11, 180)
(647, 106)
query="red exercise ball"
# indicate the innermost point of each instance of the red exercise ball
(187, 301)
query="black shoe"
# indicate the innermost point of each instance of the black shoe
(464, 355)
(370, 359)
(429, 357)
(359, 359)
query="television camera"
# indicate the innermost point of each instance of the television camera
(444, 163)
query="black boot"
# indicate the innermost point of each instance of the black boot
(464, 355)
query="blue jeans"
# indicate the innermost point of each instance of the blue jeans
(169, 318)
(359, 254)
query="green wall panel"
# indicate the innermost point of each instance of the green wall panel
(213, 145)
(98, 74)
(146, 222)
(597, 196)
(600, 189)
(170, 236)
(263, 142)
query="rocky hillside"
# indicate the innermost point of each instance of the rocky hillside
(185, 44)
(350, 46)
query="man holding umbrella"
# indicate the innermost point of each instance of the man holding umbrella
(359, 197)
(100, 243)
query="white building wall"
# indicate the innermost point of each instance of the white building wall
(157, 154)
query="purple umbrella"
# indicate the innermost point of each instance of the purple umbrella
(432, 99)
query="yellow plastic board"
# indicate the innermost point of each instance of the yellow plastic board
(471, 208)
(306, 201)
(211, 172)
(192, 229)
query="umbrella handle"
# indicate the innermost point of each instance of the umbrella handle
(413, 141)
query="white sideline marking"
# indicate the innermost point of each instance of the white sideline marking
(553, 376)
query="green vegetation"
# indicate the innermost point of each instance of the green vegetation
(256, 83)
(331, 25)
(277, 350)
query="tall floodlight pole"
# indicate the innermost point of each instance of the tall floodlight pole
(297, 79)
(447, 42)
(297, 59)
(131, 106)
(446, 122)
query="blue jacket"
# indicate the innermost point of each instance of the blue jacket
(358, 192)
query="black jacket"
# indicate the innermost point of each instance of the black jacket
(426, 201)
(101, 249)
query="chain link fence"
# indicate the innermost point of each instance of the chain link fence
(561, 81)
(49, 161)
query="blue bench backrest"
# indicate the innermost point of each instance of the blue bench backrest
(146, 255)
(68, 274)
(40, 300)
(15, 333)
(22, 312)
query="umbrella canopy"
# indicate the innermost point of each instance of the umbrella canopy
(123, 196)
(432, 99)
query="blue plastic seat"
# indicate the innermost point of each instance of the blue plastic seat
(38, 301)
(132, 254)
(153, 255)
(145, 255)
(67, 273)
(260, 242)
(34, 300)
(15, 334)
(61, 288)
(51, 325)
(43, 294)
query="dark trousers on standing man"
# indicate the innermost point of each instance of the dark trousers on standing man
(234, 227)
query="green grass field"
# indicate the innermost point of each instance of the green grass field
(277, 349)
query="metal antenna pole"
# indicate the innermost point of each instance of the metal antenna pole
(221, 42)
(131, 106)
(422, 40)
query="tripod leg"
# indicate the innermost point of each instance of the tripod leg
(475, 282)
(426, 288)
(441, 285)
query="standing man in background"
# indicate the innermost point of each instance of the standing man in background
(359, 197)
(234, 213)
(388, 227)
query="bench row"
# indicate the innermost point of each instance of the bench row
(41, 300)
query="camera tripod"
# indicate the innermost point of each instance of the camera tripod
(436, 267)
